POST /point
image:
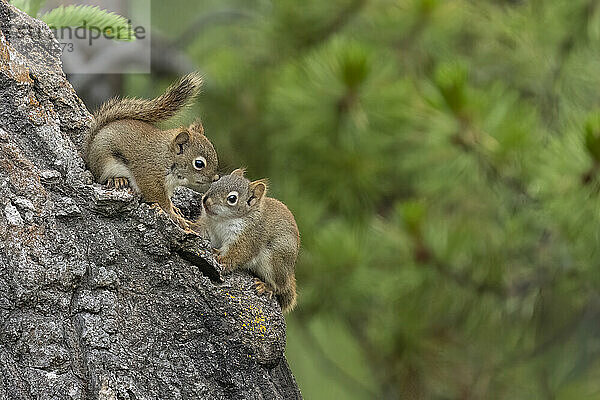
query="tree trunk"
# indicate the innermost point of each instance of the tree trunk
(101, 296)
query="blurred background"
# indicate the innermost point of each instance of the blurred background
(442, 159)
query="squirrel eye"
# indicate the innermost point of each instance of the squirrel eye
(232, 198)
(200, 162)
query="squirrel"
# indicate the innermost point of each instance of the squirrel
(124, 148)
(249, 230)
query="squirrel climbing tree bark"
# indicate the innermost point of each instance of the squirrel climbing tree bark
(100, 295)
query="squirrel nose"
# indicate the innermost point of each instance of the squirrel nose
(216, 177)
(206, 201)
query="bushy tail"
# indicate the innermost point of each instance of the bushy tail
(158, 109)
(287, 297)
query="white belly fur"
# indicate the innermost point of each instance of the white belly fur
(222, 234)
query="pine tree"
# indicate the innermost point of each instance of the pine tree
(443, 161)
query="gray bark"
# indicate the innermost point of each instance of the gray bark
(101, 296)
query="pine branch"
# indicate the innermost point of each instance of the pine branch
(336, 24)
(426, 256)
(93, 18)
(492, 171)
(567, 46)
(559, 338)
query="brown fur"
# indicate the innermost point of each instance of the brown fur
(258, 233)
(124, 148)
(165, 106)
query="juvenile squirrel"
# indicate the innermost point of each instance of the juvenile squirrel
(249, 230)
(125, 148)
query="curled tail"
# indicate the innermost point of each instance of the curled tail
(158, 109)
(287, 297)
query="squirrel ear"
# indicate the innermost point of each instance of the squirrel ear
(197, 127)
(257, 191)
(182, 138)
(238, 172)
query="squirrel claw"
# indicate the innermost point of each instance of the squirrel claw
(177, 212)
(117, 183)
(156, 207)
(182, 222)
(262, 287)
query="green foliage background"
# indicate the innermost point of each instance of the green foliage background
(442, 159)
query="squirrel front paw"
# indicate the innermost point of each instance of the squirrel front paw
(223, 260)
(262, 287)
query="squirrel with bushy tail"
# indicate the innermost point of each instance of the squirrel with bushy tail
(249, 230)
(125, 148)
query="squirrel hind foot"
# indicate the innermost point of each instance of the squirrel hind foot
(262, 287)
(118, 183)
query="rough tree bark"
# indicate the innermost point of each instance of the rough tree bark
(101, 296)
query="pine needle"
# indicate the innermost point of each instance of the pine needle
(90, 17)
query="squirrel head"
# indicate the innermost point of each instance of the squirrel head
(234, 196)
(195, 159)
